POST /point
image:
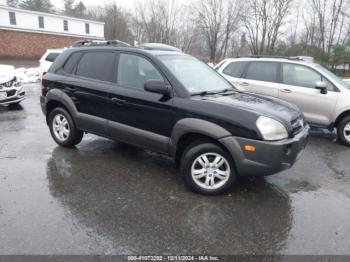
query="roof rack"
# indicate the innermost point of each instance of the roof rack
(159, 47)
(88, 43)
(296, 58)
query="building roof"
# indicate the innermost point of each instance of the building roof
(48, 14)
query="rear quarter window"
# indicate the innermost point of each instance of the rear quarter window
(235, 69)
(71, 63)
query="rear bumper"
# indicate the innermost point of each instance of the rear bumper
(43, 104)
(269, 157)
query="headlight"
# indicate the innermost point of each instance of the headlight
(271, 129)
(18, 83)
(20, 90)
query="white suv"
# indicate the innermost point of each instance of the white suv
(48, 58)
(322, 96)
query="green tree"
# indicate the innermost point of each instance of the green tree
(12, 3)
(37, 5)
(68, 7)
(79, 10)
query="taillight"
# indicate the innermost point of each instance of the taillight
(42, 87)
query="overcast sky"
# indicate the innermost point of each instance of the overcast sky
(129, 4)
(126, 3)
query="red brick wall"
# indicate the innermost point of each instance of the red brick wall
(25, 45)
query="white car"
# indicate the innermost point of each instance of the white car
(11, 89)
(48, 58)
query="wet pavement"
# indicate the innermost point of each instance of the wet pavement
(110, 198)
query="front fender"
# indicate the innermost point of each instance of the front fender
(197, 126)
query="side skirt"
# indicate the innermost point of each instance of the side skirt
(123, 133)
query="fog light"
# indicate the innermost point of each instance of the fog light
(249, 148)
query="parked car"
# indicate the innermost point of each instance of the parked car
(174, 104)
(48, 58)
(11, 89)
(322, 96)
(347, 81)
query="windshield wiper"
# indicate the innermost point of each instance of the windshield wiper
(205, 93)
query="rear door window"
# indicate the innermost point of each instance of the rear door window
(235, 69)
(262, 71)
(51, 57)
(97, 65)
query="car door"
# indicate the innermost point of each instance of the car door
(299, 87)
(233, 72)
(260, 77)
(137, 116)
(88, 84)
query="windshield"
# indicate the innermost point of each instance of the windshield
(194, 75)
(333, 77)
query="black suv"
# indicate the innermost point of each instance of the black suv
(164, 100)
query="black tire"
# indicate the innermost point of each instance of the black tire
(340, 130)
(190, 156)
(75, 136)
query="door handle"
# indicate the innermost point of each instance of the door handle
(286, 91)
(118, 101)
(244, 84)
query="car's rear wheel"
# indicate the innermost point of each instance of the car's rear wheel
(207, 168)
(63, 129)
(344, 130)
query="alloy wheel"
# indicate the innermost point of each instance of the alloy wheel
(210, 171)
(60, 127)
(347, 132)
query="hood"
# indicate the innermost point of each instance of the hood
(264, 105)
(7, 73)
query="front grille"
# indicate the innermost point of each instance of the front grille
(298, 125)
(11, 93)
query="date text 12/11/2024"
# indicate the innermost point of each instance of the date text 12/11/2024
(173, 258)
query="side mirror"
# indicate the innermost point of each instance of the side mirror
(322, 86)
(157, 86)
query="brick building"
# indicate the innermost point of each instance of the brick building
(27, 34)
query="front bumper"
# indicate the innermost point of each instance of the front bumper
(269, 157)
(14, 95)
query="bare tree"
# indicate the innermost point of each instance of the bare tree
(263, 22)
(232, 23)
(157, 20)
(329, 23)
(217, 21)
(185, 32)
(210, 20)
(117, 22)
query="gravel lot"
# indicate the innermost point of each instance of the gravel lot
(110, 198)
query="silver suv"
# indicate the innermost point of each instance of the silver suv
(322, 96)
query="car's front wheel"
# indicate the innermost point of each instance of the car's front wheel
(208, 169)
(344, 130)
(63, 129)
